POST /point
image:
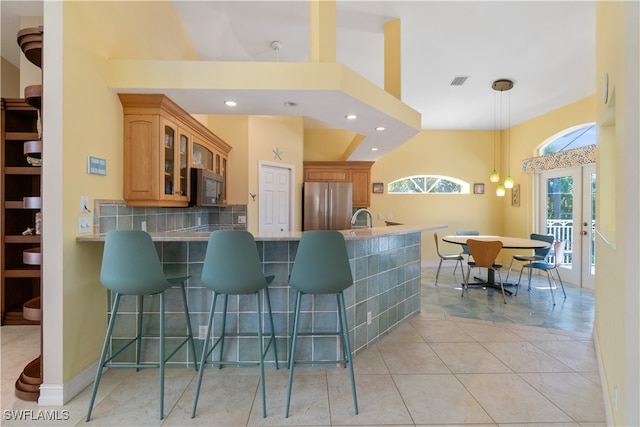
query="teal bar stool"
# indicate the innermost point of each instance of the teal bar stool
(322, 266)
(232, 266)
(130, 266)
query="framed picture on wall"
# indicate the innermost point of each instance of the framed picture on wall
(378, 187)
(515, 195)
(478, 188)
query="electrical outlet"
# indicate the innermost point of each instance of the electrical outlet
(389, 217)
(84, 225)
(380, 217)
(143, 225)
(368, 317)
(242, 219)
(202, 332)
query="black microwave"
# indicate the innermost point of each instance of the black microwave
(207, 188)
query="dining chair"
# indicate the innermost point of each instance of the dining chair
(447, 257)
(131, 266)
(558, 254)
(484, 254)
(465, 248)
(232, 266)
(539, 254)
(321, 267)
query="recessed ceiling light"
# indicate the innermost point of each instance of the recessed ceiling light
(290, 104)
(230, 103)
(351, 116)
(374, 149)
(380, 128)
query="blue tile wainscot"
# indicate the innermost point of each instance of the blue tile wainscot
(385, 263)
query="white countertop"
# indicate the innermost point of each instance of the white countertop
(353, 234)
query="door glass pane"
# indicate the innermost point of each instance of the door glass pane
(560, 213)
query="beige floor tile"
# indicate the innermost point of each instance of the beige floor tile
(412, 358)
(439, 399)
(369, 361)
(575, 354)
(525, 357)
(466, 358)
(509, 399)
(440, 331)
(379, 401)
(488, 333)
(573, 393)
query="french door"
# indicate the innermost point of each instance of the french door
(567, 210)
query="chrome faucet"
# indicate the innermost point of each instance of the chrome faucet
(358, 212)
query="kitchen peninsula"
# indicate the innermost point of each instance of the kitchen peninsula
(385, 263)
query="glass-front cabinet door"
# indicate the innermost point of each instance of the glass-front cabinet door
(202, 157)
(175, 162)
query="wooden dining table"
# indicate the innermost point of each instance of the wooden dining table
(507, 243)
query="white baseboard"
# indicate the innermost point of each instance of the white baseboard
(603, 380)
(60, 394)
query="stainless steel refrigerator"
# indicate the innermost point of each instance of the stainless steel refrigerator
(327, 206)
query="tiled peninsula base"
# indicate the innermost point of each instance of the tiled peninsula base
(386, 291)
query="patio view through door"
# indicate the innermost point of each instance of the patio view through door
(567, 210)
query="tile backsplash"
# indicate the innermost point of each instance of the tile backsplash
(116, 215)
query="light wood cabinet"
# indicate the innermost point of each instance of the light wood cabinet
(162, 143)
(357, 173)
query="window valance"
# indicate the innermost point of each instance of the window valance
(563, 159)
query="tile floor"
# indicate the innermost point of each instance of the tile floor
(461, 361)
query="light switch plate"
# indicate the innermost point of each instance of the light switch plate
(84, 225)
(84, 204)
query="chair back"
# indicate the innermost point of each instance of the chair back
(232, 263)
(484, 252)
(435, 237)
(321, 265)
(558, 251)
(465, 248)
(130, 264)
(542, 252)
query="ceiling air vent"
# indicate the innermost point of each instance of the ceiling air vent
(458, 80)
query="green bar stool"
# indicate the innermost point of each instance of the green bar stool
(232, 266)
(322, 266)
(130, 266)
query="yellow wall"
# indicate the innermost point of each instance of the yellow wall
(267, 133)
(465, 155)
(326, 144)
(617, 246)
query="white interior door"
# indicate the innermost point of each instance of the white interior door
(567, 210)
(275, 202)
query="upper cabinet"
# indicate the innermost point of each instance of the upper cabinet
(162, 143)
(357, 173)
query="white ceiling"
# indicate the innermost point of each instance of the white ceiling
(546, 47)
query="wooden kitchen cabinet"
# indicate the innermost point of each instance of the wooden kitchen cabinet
(357, 173)
(162, 143)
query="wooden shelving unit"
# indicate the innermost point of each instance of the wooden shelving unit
(20, 204)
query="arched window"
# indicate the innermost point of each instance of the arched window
(579, 136)
(428, 184)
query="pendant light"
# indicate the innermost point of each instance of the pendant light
(501, 86)
(508, 182)
(495, 176)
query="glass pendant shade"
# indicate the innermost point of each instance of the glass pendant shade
(495, 176)
(508, 182)
(500, 191)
